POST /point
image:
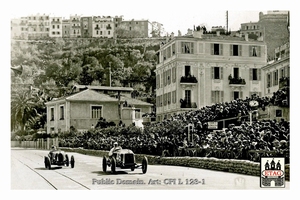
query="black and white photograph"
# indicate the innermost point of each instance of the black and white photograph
(149, 95)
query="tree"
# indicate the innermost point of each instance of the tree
(22, 109)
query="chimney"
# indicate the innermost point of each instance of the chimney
(172, 35)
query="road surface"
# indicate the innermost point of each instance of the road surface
(28, 173)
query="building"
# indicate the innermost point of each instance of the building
(203, 69)
(277, 71)
(86, 27)
(85, 107)
(252, 29)
(55, 27)
(38, 26)
(66, 28)
(15, 28)
(75, 27)
(103, 27)
(272, 27)
(135, 28)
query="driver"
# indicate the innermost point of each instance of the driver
(53, 149)
(115, 148)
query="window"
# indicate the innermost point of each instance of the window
(157, 81)
(174, 74)
(275, 76)
(173, 49)
(169, 98)
(254, 51)
(62, 112)
(217, 96)
(52, 114)
(96, 112)
(217, 73)
(137, 113)
(57, 26)
(187, 47)
(187, 70)
(235, 50)
(174, 96)
(236, 95)
(235, 72)
(268, 80)
(254, 74)
(216, 49)
(187, 96)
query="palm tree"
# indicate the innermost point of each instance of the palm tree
(22, 109)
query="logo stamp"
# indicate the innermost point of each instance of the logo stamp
(272, 172)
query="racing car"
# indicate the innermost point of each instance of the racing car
(59, 158)
(123, 159)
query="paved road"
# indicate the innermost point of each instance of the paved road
(28, 172)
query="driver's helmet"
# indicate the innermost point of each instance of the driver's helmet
(115, 144)
(53, 147)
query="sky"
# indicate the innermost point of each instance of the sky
(174, 15)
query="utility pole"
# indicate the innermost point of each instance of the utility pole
(227, 21)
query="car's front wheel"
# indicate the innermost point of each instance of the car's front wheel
(104, 164)
(47, 163)
(72, 162)
(144, 165)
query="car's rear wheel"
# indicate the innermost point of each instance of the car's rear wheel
(144, 165)
(132, 168)
(113, 165)
(72, 162)
(104, 164)
(67, 160)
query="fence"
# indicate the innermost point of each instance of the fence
(40, 143)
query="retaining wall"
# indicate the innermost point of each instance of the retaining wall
(226, 165)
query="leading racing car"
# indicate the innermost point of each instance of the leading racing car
(123, 159)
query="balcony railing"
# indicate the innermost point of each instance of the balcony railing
(284, 81)
(186, 104)
(188, 79)
(236, 81)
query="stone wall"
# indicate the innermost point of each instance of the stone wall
(226, 165)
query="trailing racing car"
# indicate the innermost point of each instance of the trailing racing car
(59, 158)
(123, 159)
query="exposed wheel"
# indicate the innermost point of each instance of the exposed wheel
(67, 160)
(113, 165)
(132, 168)
(144, 165)
(104, 164)
(72, 162)
(47, 163)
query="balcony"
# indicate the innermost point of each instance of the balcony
(188, 79)
(284, 82)
(186, 104)
(236, 81)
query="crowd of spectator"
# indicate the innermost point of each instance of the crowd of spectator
(170, 137)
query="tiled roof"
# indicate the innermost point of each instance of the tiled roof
(131, 101)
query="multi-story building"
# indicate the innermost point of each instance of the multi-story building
(38, 26)
(86, 27)
(136, 28)
(15, 28)
(75, 28)
(55, 27)
(203, 69)
(277, 72)
(66, 28)
(24, 28)
(103, 27)
(251, 28)
(271, 27)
